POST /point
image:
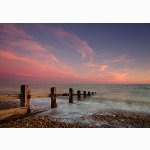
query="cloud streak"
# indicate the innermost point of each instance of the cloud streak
(32, 68)
(24, 55)
(99, 67)
(28, 58)
(11, 31)
(75, 43)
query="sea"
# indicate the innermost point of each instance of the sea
(124, 97)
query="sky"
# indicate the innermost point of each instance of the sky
(75, 53)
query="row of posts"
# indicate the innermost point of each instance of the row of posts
(26, 95)
(71, 94)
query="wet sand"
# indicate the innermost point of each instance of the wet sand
(101, 119)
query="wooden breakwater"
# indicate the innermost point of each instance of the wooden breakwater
(26, 95)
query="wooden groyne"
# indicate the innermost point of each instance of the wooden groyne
(26, 95)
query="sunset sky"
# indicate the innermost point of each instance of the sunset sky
(75, 53)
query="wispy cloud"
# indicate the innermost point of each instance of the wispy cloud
(103, 67)
(32, 67)
(75, 43)
(10, 31)
(121, 58)
(40, 56)
(38, 60)
(9, 55)
(99, 67)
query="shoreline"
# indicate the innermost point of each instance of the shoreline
(100, 119)
(112, 120)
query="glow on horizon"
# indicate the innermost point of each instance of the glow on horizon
(53, 54)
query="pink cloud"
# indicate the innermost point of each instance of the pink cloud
(109, 78)
(61, 33)
(25, 45)
(25, 67)
(120, 77)
(103, 73)
(21, 67)
(28, 45)
(89, 64)
(75, 43)
(100, 67)
(33, 59)
(24, 57)
(8, 55)
(54, 58)
(103, 67)
(121, 58)
(58, 70)
(12, 30)
(40, 61)
(34, 50)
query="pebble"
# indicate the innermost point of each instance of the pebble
(108, 119)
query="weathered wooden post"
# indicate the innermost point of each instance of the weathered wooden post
(84, 94)
(25, 97)
(70, 95)
(89, 94)
(79, 95)
(53, 97)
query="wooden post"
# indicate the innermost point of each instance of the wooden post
(70, 95)
(89, 94)
(53, 97)
(92, 93)
(79, 95)
(84, 93)
(25, 96)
